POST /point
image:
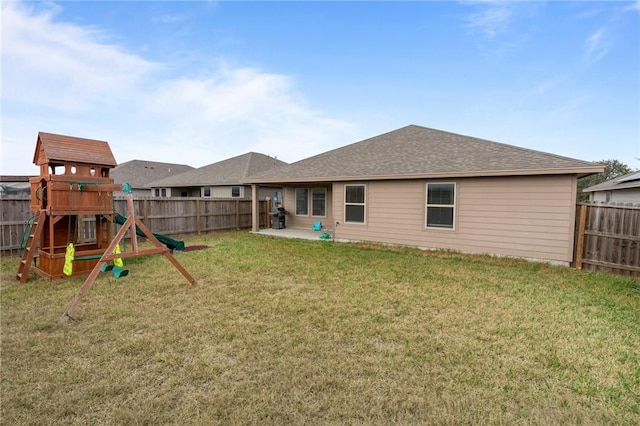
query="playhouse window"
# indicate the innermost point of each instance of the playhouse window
(55, 169)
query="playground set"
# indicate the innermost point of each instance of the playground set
(74, 184)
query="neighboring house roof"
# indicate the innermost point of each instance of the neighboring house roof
(15, 178)
(15, 188)
(138, 173)
(630, 180)
(419, 152)
(227, 172)
(15, 184)
(52, 148)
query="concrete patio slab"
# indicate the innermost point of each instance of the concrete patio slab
(302, 233)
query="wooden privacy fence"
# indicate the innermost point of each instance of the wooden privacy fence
(168, 216)
(608, 238)
(14, 211)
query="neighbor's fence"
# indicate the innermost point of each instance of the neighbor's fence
(168, 216)
(608, 238)
(14, 212)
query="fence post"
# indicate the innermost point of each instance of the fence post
(237, 215)
(581, 228)
(145, 212)
(198, 228)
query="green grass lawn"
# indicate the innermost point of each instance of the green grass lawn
(311, 332)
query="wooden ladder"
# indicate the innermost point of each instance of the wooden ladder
(31, 247)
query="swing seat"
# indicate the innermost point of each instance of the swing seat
(118, 272)
(106, 267)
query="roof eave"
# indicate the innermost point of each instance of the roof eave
(190, 184)
(580, 172)
(610, 187)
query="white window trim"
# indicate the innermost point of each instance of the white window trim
(210, 192)
(159, 190)
(241, 192)
(311, 201)
(344, 214)
(455, 206)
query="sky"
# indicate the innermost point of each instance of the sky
(196, 82)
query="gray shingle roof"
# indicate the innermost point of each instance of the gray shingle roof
(630, 180)
(227, 172)
(415, 151)
(138, 173)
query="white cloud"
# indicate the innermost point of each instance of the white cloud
(64, 78)
(493, 19)
(62, 66)
(226, 94)
(597, 45)
(169, 19)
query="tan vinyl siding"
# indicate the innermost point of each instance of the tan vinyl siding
(630, 195)
(263, 192)
(519, 216)
(225, 192)
(294, 221)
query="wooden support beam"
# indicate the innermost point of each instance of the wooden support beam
(255, 208)
(613, 236)
(129, 225)
(581, 227)
(165, 252)
(611, 265)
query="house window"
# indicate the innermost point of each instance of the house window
(206, 191)
(441, 205)
(319, 202)
(354, 205)
(235, 191)
(302, 201)
(161, 192)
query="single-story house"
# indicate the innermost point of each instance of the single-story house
(220, 180)
(620, 190)
(428, 188)
(138, 173)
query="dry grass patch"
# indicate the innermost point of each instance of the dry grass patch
(289, 332)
